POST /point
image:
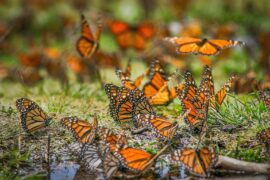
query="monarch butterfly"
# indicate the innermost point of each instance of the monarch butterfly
(94, 159)
(126, 104)
(112, 92)
(207, 82)
(160, 125)
(265, 98)
(141, 104)
(197, 161)
(27, 76)
(125, 78)
(87, 44)
(110, 165)
(111, 141)
(124, 107)
(157, 90)
(201, 46)
(83, 131)
(90, 157)
(264, 135)
(195, 101)
(32, 116)
(136, 160)
(34, 59)
(131, 36)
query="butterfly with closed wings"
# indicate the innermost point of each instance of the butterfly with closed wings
(32, 116)
(197, 161)
(83, 131)
(88, 43)
(157, 90)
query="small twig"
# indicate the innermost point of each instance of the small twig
(48, 157)
(139, 131)
(29, 175)
(239, 165)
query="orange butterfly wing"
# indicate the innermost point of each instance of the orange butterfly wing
(196, 103)
(76, 64)
(198, 161)
(82, 130)
(87, 43)
(219, 97)
(146, 30)
(111, 140)
(133, 159)
(129, 36)
(122, 32)
(141, 104)
(143, 32)
(124, 108)
(125, 78)
(30, 60)
(201, 46)
(157, 81)
(160, 125)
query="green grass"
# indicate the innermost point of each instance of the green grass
(245, 115)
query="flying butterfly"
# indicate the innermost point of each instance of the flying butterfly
(162, 127)
(87, 44)
(197, 161)
(265, 97)
(32, 116)
(131, 36)
(201, 46)
(157, 90)
(83, 131)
